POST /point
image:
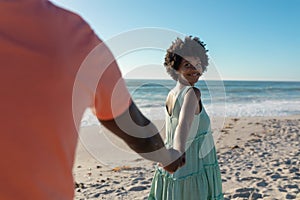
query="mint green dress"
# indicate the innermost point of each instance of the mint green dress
(199, 178)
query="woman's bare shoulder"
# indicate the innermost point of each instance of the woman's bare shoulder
(193, 92)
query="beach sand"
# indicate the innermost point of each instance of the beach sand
(259, 158)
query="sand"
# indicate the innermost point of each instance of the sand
(259, 158)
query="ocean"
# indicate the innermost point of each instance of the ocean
(220, 98)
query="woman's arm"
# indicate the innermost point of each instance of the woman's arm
(186, 117)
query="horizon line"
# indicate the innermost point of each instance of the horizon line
(169, 79)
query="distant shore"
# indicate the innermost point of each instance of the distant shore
(258, 157)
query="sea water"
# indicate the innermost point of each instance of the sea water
(220, 98)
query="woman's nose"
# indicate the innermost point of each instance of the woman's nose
(198, 66)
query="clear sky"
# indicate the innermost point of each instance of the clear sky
(247, 39)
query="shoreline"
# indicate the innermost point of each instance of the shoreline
(258, 158)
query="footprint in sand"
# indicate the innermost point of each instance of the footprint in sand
(247, 193)
(138, 188)
(136, 180)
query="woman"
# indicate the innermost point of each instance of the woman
(188, 129)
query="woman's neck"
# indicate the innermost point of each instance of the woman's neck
(180, 85)
(183, 83)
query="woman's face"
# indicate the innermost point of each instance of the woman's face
(189, 70)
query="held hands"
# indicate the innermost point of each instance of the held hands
(179, 161)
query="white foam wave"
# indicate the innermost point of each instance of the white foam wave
(249, 109)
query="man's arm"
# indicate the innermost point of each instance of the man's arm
(114, 108)
(149, 143)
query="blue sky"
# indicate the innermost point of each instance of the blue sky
(247, 39)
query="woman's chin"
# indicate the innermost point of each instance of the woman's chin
(194, 81)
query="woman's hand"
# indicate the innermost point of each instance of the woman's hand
(179, 161)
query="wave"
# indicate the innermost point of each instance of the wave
(241, 98)
(227, 109)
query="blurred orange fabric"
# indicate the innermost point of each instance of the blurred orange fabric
(41, 50)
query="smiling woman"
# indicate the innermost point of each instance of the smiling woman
(188, 129)
(189, 53)
(189, 70)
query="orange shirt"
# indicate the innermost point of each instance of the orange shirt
(43, 98)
